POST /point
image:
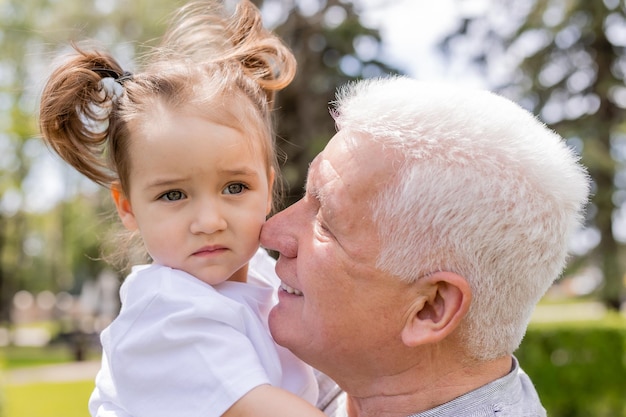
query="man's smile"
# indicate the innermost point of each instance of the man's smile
(289, 289)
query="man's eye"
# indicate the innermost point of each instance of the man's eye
(322, 225)
(235, 188)
(172, 195)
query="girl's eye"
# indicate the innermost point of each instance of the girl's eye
(235, 188)
(174, 195)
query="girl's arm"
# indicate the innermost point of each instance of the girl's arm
(269, 401)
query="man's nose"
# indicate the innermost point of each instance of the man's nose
(279, 232)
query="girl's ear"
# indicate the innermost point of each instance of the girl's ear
(437, 312)
(124, 209)
(270, 179)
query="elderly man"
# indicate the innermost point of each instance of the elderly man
(432, 223)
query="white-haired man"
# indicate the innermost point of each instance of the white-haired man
(432, 223)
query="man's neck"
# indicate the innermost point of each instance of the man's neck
(422, 388)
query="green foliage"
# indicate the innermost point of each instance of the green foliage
(328, 56)
(578, 368)
(48, 400)
(53, 250)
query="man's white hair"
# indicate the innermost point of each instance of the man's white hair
(481, 188)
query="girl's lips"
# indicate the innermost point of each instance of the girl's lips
(209, 250)
(289, 289)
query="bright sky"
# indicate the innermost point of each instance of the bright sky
(411, 29)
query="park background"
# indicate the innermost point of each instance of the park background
(563, 60)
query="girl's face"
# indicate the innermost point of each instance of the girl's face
(199, 194)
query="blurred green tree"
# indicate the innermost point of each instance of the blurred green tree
(45, 248)
(332, 47)
(565, 61)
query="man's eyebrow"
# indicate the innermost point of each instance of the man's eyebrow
(312, 189)
(318, 195)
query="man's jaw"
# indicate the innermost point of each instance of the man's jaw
(290, 290)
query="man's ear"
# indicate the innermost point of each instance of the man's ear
(443, 301)
(124, 209)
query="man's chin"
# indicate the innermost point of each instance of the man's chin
(277, 325)
(284, 328)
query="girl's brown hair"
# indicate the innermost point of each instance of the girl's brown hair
(208, 62)
(206, 56)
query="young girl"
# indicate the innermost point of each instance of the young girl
(186, 147)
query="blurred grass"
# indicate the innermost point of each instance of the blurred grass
(43, 399)
(68, 399)
(27, 356)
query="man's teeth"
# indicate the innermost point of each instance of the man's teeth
(289, 289)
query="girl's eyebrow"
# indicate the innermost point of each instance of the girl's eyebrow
(239, 171)
(164, 182)
(169, 182)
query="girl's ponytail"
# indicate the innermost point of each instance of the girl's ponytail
(76, 106)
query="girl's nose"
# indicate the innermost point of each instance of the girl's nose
(208, 218)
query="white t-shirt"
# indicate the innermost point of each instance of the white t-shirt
(180, 347)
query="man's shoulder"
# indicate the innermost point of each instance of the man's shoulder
(513, 395)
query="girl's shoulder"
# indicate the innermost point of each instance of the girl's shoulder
(153, 280)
